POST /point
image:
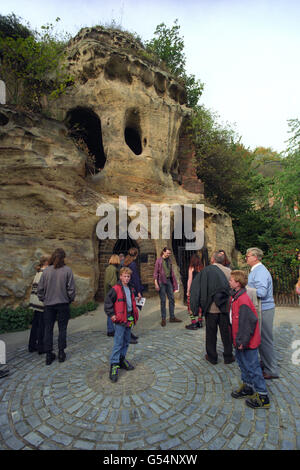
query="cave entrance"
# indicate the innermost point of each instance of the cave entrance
(123, 245)
(183, 258)
(85, 128)
(132, 132)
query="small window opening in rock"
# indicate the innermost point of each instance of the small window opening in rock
(132, 132)
(133, 140)
(85, 128)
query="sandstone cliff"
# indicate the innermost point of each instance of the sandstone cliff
(116, 132)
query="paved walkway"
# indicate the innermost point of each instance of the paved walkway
(173, 399)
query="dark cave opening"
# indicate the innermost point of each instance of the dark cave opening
(133, 140)
(85, 128)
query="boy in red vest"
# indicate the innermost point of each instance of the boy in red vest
(121, 307)
(246, 339)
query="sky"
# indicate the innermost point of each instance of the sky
(246, 52)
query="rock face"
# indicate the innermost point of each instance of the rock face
(118, 131)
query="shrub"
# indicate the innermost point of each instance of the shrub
(76, 311)
(15, 319)
(20, 318)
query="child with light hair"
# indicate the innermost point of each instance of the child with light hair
(120, 306)
(246, 339)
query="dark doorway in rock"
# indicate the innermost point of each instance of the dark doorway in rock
(132, 132)
(85, 128)
(123, 245)
(183, 258)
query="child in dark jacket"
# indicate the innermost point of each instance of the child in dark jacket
(121, 307)
(246, 339)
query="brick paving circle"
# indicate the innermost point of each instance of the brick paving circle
(173, 399)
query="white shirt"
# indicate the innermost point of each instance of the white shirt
(255, 266)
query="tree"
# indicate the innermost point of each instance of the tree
(11, 26)
(168, 46)
(223, 164)
(31, 62)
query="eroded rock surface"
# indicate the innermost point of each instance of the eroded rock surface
(118, 131)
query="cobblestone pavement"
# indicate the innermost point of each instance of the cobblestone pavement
(174, 399)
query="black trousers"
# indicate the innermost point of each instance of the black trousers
(37, 332)
(61, 313)
(212, 322)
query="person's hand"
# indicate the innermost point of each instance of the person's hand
(139, 296)
(156, 285)
(113, 318)
(240, 346)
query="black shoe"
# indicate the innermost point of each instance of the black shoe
(124, 364)
(258, 401)
(175, 320)
(212, 361)
(133, 336)
(114, 371)
(50, 357)
(200, 324)
(111, 333)
(133, 341)
(61, 356)
(243, 392)
(31, 350)
(192, 326)
(230, 360)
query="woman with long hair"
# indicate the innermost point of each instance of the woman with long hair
(195, 267)
(56, 289)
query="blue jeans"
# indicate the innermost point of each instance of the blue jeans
(166, 290)
(121, 343)
(110, 325)
(251, 372)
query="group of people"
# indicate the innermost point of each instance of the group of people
(53, 290)
(240, 306)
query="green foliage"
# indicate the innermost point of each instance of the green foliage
(223, 164)
(32, 65)
(11, 26)
(20, 318)
(276, 235)
(261, 207)
(168, 46)
(15, 319)
(286, 188)
(81, 309)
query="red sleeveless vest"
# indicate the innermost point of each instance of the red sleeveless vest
(120, 305)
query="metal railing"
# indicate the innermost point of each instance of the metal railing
(284, 281)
